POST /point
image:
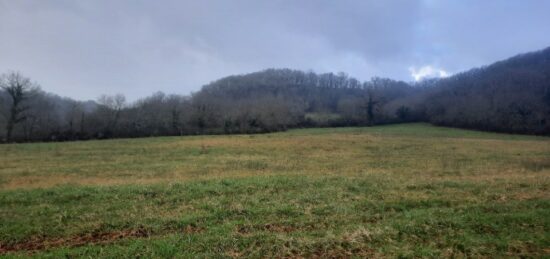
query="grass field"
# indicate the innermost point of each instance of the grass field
(409, 190)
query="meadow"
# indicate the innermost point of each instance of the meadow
(407, 190)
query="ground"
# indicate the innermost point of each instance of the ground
(409, 190)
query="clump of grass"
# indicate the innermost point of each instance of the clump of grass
(204, 150)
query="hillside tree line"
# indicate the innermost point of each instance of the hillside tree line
(509, 96)
(266, 101)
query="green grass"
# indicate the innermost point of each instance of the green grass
(323, 118)
(409, 190)
(418, 130)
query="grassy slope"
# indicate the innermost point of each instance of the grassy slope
(408, 190)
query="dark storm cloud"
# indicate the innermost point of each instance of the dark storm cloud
(85, 48)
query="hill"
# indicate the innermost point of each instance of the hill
(509, 96)
(512, 96)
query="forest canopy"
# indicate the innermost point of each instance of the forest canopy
(508, 96)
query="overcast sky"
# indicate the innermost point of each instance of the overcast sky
(82, 49)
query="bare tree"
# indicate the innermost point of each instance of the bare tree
(112, 106)
(369, 105)
(19, 88)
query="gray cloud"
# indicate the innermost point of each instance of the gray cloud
(82, 49)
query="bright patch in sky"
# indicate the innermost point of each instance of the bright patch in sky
(427, 72)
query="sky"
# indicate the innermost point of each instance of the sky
(82, 49)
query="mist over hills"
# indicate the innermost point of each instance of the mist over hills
(512, 95)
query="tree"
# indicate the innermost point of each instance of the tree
(176, 104)
(111, 107)
(403, 113)
(19, 89)
(370, 107)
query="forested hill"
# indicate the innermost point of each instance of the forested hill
(276, 99)
(508, 96)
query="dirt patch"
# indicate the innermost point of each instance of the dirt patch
(279, 228)
(190, 229)
(94, 238)
(234, 254)
(338, 252)
(91, 238)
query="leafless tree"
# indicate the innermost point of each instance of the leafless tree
(19, 89)
(111, 108)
